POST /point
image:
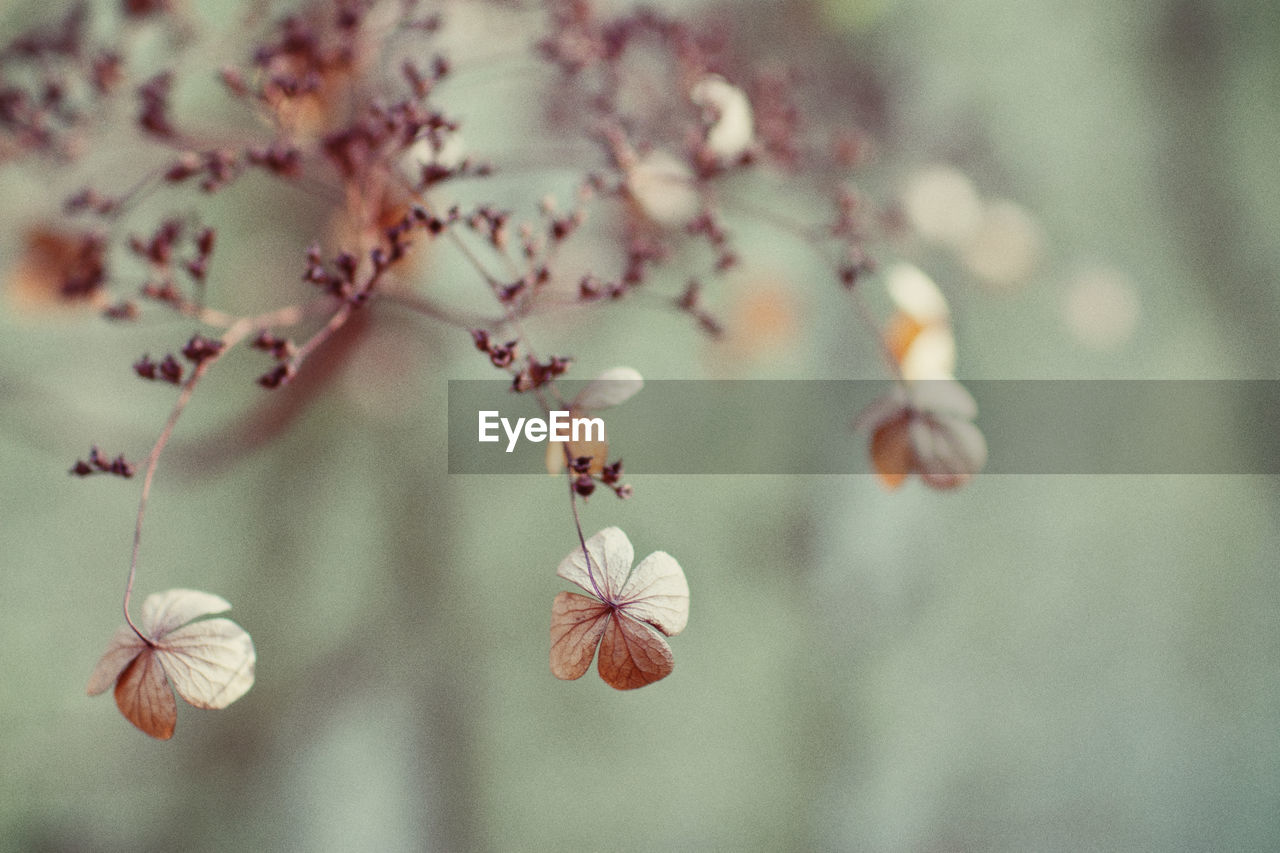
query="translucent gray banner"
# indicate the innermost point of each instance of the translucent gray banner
(806, 427)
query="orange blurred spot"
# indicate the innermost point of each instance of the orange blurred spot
(597, 450)
(762, 321)
(362, 223)
(943, 205)
(320, 107)
(58, 268)
(891, 454)
(900, 334)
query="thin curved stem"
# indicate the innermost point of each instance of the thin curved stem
(235, 333)
(577, 523)
(420, 305)
(152, 461)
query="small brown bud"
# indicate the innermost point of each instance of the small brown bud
(584, 485)
(145, 367)
(200, 348)
(154, 117)
(124, 310)
(171, 370)
(503, 355)
(280, 375)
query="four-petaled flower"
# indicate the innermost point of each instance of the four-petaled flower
(625, 616)
(209, 661)
(925, 428)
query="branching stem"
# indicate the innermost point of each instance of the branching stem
(235, 333)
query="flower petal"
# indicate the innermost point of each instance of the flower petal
(948, 450)
(143, 696)
(915, 294)
(597, 451)
(210, 662)
(123, 648)
(886, 407)
(731, 127)
(576, 625)
(931, 354)
(663, 188)
(944, 397)
(616, 385)
(632, 654)
(611, 557)
(657, 593)
(891, 454)
(164, 611)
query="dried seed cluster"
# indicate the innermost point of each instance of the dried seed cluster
(656, 116)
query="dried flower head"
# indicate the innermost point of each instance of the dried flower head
(925, 428)
(919, 336)
(208, 661)
(629, 612)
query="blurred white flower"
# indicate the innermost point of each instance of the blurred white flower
(943, 205)
(919, 336)
(925, 428)
(611, 388)
(727, 111)
(1007, 246)
(450, 154)
(663, 188)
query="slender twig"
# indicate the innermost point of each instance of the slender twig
(427, 308)
(336, 322)
(577, 523)
(235, 333)
(152, 460)
(490, 279)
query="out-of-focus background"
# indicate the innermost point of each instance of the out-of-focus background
(1031, 663)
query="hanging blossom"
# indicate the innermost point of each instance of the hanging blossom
(925, 428)
(919, 335)
(726, 109)
(626, 614)
(208, 661)
(611, 388)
